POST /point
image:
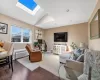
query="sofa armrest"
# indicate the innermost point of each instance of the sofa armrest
(75, 65)
(68, 52)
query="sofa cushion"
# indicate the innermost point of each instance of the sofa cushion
(63, 57)
(3, 54)
(77, 53)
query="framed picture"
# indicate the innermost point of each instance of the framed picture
(95, 26)
(3, 28)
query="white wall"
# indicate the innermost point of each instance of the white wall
(11, 21)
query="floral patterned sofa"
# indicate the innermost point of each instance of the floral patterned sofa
(91, 60)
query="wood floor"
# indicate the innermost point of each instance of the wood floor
(22, 73)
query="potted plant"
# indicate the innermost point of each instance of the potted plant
(74, 46)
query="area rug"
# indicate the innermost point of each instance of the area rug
(49, 62)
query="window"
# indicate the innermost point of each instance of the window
(20, 34)
(29, 6)
(26, 35)
(16, 34)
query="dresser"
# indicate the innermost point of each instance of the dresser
(58, 48)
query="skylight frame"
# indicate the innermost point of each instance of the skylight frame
(36, 9)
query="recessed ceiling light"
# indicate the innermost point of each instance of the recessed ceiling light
(70, 20)
(67, 10)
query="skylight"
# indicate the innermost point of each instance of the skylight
(29, 6)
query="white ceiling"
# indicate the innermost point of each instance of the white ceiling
(8, 7)
(79, 12)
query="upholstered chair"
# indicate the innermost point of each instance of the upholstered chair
(6, 55)
(34, 56)
(91, 69)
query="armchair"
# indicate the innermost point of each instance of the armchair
(65, 56)
(75, 65)
(6, 55)
(34, 56)
(91, 68)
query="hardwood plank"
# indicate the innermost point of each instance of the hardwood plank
(22, 73)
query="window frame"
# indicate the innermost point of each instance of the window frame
(32, 12)
(22, 28)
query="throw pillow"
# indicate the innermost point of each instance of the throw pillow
(72, 57)
(81, 58)
(77, 53)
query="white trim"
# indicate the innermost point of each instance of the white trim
(30, 38)
(28, 10)
(22, 42)
(21, 35)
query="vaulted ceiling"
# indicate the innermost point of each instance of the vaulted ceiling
(53, 13)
